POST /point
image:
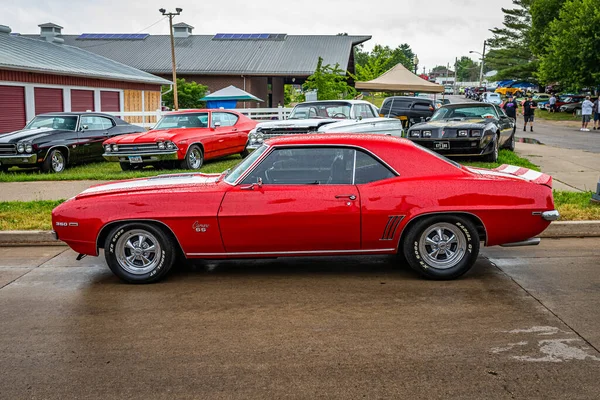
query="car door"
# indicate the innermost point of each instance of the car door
(226, 135)
(297, 200)
(93, 130)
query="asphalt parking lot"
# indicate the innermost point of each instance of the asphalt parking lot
(522, 324)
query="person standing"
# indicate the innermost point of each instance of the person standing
(510, 107)
(586, 113)
(597, 114)
(552, 103)
(529, 108)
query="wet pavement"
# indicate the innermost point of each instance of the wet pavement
(523, 323)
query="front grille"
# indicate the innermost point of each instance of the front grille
(137, 148)
(8, 149)
(274, 132)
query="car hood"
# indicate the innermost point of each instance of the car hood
(28, 135)
(155, 136)
(296, 123)
(171, 183)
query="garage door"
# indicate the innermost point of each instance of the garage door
(82, 100)
(48, 100)
(12, 108)
(109, 101)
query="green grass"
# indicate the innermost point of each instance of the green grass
(106, 171)
(576, 206)
(556, 116)
(36, 215)
(504, 157)
(26, 215)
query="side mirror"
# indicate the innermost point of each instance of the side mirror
(258, 184)
(217, 124)
(84, 127)
(427, 119)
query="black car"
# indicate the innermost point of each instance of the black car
(409, 110)
(53, 141)
(466, 129)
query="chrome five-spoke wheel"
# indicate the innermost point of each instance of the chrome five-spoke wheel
(138, 252)
(442, 245)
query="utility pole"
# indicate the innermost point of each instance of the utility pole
(482, 62)
(171, 15)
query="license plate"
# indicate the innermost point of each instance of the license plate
(135, 159)
(441, 145)
(403, 118)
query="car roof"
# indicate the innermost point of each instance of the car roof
(336, 101)
(339, 139)
(73, 113)
(465, 104)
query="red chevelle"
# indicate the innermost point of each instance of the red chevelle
(183, 139)
(312, 195)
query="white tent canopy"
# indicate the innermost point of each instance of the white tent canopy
(400, 79)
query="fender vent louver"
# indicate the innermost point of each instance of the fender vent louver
(390, 228)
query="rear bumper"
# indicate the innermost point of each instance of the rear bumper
(19, 159)
(146, 157)
(551, 215)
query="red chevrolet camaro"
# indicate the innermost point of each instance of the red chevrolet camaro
(183, 139)
(312, 195)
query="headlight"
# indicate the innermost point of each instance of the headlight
(476, 133)
(28, 148)
(20, 147)
(107, 148)
(115, 147)
(426, 133)
(260, 137)
(463, 133)
(161, 145)
(415, 133)
(252, 137)
(170, 145)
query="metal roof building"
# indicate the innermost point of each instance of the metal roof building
(258, 63)
(39, 76)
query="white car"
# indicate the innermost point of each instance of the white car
(377, 126)
(492, 98)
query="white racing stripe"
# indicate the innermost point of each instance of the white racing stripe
(158, 182)
(510, 169)
(531, 175)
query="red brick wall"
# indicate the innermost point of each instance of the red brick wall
(31, 77)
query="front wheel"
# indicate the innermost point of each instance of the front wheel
(493, 156)
(511, 143)
(139, 253)
(55, 162)
(194, 158)
(442, 247)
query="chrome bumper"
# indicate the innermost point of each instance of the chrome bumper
(253, 146)
(551, 215)
(18, 159)
(146, 157)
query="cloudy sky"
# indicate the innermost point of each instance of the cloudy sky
(437, 30)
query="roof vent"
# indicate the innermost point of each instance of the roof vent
(182, 30)
(50, 30)
(5, 29)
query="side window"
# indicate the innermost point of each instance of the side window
(95, 123)
(421, 106)
(368, 169)
(226, 119)
(364, 111)
(106, 122)
(305, 166)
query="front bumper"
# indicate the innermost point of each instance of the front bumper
(19, 159)
(146, 157)
(457, 147)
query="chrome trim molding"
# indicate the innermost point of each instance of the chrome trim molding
(528, 242)
(551, 215)
(290, 253)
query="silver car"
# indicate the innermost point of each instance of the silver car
(378, 126)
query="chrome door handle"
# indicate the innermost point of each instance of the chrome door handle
(346, 196)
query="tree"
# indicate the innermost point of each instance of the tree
(188, 95)
(330, 82)
(571, 56)
(543, 12)
(510, 52)
(381, 59)
(467, 70)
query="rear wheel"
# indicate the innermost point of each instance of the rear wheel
(55, 162)
(194, 158)
(442, 247)
(139, 252)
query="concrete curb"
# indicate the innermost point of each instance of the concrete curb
(562, 229)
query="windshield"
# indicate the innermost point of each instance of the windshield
(482, 111)
(339, 110)
(66, 123)
(239, 169)
(188, 120)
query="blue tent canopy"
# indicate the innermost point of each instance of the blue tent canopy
(228, 97)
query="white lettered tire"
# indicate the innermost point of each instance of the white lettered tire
(441, 247)
(139, 252)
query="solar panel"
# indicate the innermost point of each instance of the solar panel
(113, 36)
(250, 36)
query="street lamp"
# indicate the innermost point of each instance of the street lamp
(482, 62)
(171, 15)
(416, 63)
